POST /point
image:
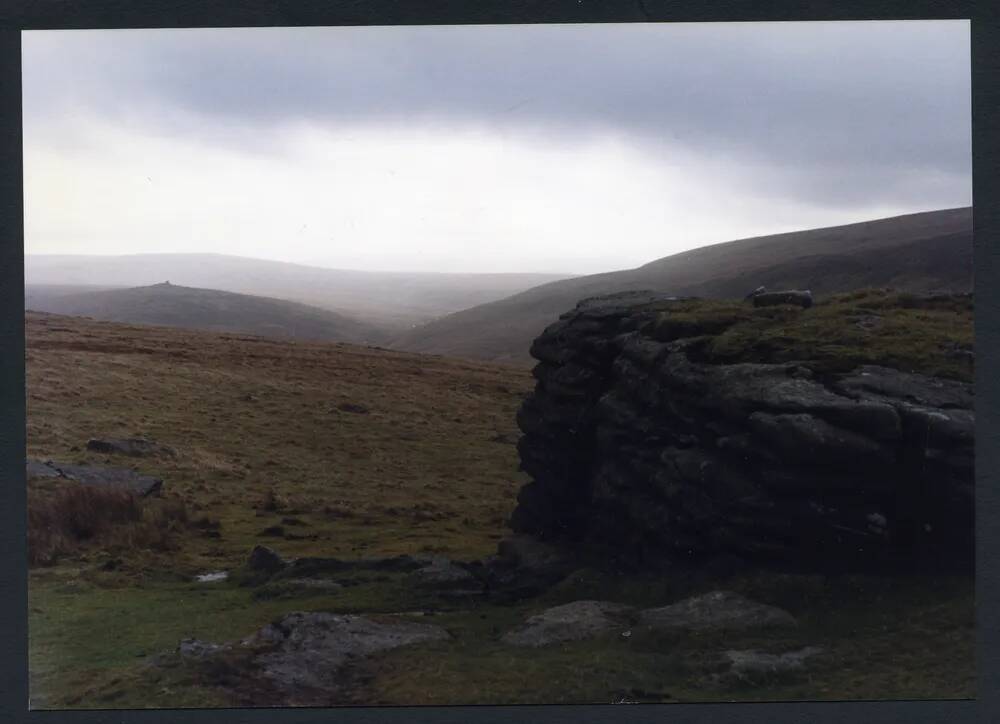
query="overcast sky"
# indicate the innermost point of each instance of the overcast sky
(573, 148)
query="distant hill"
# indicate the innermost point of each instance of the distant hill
(917, 252)
(42, 296)
(400, 299)
(172, 305)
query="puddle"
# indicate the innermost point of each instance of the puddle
(212, 577)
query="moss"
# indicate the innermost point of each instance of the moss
(928, 335)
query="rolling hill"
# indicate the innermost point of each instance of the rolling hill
(171, 305)
(918, 252)
(400, 299)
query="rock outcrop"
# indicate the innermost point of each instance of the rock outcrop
(304, 653)
(302, 659)
(642, 446)
(97, 476)
(715, 611)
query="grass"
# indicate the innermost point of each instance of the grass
(269, 435)
(838, 333)
(73, 517)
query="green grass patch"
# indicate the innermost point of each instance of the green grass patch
(930, 336)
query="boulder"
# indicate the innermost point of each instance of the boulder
(718, 610)
(441, 572)
(111, 477)
(650, 447)
(37, 469)
(265, 560)
(133, 446)
(570, 622)
(302, 654)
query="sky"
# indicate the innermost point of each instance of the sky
(520, 148)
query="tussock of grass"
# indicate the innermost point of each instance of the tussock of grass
(76, 516)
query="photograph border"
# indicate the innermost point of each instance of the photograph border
(18, 15)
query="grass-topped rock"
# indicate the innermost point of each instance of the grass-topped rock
(836, 434)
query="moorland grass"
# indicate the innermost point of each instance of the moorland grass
(264, 436)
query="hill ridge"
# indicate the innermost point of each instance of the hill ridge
(934, 253)
(175, 305)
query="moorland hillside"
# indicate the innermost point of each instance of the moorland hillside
(923, 252)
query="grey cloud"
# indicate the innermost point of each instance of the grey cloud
(885, 102)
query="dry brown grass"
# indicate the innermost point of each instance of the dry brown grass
(265, 428)
(77, 516)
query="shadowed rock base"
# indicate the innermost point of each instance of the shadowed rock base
(645, 448)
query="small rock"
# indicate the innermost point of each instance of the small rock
(753, 661)
(353, 407)
(442, 572)
(212, 577)
(719, 610)
(570, 622)
(869, 322)
(197, 649)
(265, 559)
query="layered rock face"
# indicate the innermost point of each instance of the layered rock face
(641, 447)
